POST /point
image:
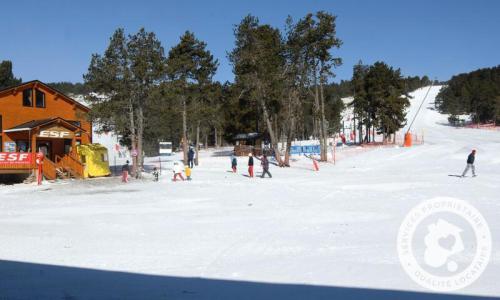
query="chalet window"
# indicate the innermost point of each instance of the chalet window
(28, 97)
(22, 146)
(40, 98)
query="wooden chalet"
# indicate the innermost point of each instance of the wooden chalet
(37, 118)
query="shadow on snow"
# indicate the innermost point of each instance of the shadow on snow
(19, 280)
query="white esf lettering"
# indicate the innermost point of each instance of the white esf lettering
(54, 134)
(10, 157)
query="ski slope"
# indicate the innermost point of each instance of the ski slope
(300, 235)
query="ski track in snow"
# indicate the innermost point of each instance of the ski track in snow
(336, 227)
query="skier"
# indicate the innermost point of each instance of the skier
(191, 157)
(250, 165)
(470, 164)
(234, 162)
(156, 174)
(178, 171)
(187, 170)
(125, 171)
(265, 166)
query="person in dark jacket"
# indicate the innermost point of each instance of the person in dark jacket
(470, 164)
(125, 171)
(156, 174)
(250, 165)
(191, 157)
(234, 163)
(265, 166)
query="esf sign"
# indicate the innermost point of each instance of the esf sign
(15, 158)
(55, 134)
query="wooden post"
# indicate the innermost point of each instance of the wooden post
(33, 141)
(73, 145)
(33, 150)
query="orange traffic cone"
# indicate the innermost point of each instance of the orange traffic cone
(408, 140)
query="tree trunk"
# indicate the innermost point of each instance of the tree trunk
(274, 142)
(354, 128)
(324, 134)
(215, 137)
(360, 131)
(132, 135)
(184, 130)
(317, 115)
(289, 139)
(140, 132)
(197, 147)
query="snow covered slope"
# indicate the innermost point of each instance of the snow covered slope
(300, 235)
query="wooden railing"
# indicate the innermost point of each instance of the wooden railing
(49, 169)
(71, 163)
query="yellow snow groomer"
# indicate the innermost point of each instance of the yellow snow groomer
(95, 158)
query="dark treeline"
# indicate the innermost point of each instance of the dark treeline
(476, 94)
(380, 100)
(70, 88)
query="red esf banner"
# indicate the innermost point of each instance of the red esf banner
(14, 158)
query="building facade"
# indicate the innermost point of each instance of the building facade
(37, 118)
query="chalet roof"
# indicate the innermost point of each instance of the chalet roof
(49, 88)
(42, 122)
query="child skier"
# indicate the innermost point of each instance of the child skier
(187, 170)
(265, 166)
(470, 164)
(178, 171)
(125, 171)
(156, 174)
(250, 165)
(234, 163)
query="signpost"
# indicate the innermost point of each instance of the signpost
(39, 162)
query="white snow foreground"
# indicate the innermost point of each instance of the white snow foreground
(300, 235)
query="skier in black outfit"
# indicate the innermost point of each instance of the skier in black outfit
(470, 164)
(265, 166)
(191, 157)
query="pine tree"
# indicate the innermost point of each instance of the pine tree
(191, 67)
(258, 65)
(7, 78)
(127, 74)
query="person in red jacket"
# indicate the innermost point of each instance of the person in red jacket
(125, 171)
(250, 165)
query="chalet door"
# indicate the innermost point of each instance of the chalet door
(45, 148)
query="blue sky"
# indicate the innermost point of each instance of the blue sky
(54, 40)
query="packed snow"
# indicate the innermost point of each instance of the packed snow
(300, 235)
